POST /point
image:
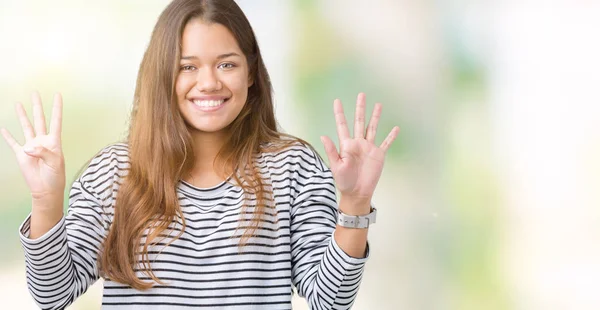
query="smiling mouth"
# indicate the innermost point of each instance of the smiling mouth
(209, 103)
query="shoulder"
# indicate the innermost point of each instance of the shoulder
(109, 164)
(297, 153)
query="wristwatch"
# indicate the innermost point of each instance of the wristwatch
(356, 221)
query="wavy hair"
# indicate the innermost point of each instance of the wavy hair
(160, 145)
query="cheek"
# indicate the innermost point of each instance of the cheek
(182, 86)
(238, 84)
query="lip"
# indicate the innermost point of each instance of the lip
(208, 109)
(212, 97)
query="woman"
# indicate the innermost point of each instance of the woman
(206, 203)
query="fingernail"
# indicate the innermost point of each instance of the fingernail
(28, 149)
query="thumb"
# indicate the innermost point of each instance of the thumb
(331, 151)
(51, 159)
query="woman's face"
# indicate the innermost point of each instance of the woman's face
(212, 84)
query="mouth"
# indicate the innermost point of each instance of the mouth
(209, 105)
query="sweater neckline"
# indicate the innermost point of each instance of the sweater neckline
(212, 191)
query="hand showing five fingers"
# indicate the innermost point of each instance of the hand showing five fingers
(40, 158)
(358, 165)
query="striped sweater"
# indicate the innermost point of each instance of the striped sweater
(294, 246)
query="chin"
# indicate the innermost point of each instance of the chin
(198, 128)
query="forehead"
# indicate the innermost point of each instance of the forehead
(207, 39)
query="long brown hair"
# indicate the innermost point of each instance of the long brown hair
(160, 145)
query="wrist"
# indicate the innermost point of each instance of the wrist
(353, 205)
(45, 214)
(48, 204)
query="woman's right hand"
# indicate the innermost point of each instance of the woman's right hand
(40, 158)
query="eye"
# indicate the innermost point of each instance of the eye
(187, 68)
(226, 65)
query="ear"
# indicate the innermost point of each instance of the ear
(250, 81)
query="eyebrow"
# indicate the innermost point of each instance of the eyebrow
(218, 57)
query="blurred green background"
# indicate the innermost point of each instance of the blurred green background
(489, 195)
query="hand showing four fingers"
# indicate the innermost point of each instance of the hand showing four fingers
(40, 158)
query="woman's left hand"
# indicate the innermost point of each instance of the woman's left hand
(357, 167)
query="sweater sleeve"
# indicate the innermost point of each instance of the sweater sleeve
(322, 272)
(62, 264)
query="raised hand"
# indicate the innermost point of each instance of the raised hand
(40, 158)
(358, 165)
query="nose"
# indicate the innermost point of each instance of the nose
(207, 80)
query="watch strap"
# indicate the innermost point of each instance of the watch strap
(356, 221)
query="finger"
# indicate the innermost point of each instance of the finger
(51, 159)
(385, 145)
(331, 151)
(359, 116)
(10, 140)
(25, 124)
(340, 120)
(56, 121)
(372, 127)
(39, 120)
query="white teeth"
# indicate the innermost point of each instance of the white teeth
(208, 103)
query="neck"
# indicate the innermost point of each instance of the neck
(206, 148)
